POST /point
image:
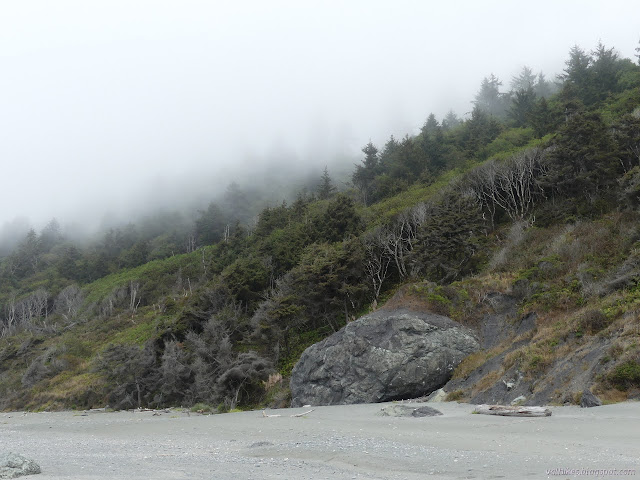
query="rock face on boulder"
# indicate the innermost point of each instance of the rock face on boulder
(589, 400)
(386, 355)
(13, 465)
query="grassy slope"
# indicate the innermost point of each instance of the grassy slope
(577, 277)
(570, 275)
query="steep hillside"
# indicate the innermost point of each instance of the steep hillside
(519, 222)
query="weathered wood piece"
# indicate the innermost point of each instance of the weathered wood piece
(265, 415)
(515, 411)
(303, 413)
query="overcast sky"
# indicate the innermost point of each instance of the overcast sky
(103, 103)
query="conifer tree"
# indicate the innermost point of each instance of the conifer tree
(326, 188)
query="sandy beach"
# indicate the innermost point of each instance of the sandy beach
(336, 442)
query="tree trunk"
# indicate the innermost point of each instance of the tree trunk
(512, 411)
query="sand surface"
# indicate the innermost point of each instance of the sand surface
(337, 442)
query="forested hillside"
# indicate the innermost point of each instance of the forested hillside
(535, 194)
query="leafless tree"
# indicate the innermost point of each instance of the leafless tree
(10, 315)
(513, 186)
(134, 300)
(68, 302)
(377, 260)
(191, 243)
(114, 300)
(398, 242)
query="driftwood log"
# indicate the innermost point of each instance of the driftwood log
(265, 415)
(509, 411)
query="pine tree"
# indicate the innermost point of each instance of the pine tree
(524, 80)
(522, 104)
(364, 175)
(430, 126)
(326, 188)
(450, 120)
(489, 99)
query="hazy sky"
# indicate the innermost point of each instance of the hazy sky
(105, 103)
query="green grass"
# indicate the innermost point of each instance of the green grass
(136, 335)
(157, 275)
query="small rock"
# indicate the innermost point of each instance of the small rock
(408, 411)
(438, 396)
(589, 400)
(518, 400)
(260, 444)
(13, 465)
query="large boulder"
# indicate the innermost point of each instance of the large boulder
(589, 400)
(386, 355)
(13, 465)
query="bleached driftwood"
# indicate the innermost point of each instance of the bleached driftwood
(509, 411)
(265, 415)
(303, 413)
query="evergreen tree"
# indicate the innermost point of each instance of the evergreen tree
(522, 105)
(326, 188)
(481, 129)
(525, 80)
(387, 156)
(605, 68)
(340, 220)
(432, 145)
(50, 235)
(210, 226)
(543, 88)
(577, 77)
(450, 120)
(584, 160)
(430, 126)
(364, 175)
(489, 99)
(236, 204)
(541, 118)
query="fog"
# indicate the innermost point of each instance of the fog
(121, 106)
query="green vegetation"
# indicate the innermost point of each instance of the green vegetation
(536, 193)
(626, 375)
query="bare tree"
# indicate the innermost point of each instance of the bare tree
(518, 186)
(9, 314)
(513, 186)
(377, 260)
(38, 304)
(191, 243)
(398, 240)
(134, 300)
(68, 302)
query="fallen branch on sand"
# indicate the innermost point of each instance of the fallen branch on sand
(265, 415)
(303, 413)
(269, 416)
(508, 411)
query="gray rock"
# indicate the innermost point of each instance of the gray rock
(438, 396)
(386, 355)
(408, 411)
(13, 465)
(519, 400)
(589, 399)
